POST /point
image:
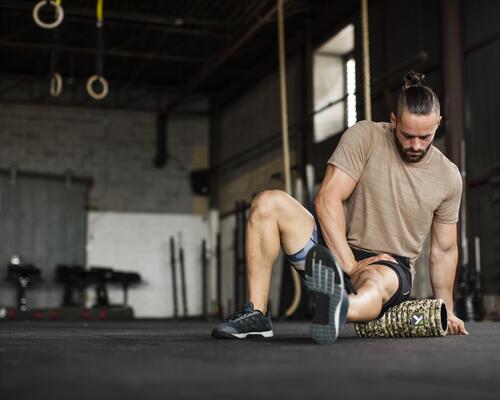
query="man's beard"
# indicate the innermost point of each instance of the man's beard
(407, 154)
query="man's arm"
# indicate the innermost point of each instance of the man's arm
(336, 187)
(443, 261)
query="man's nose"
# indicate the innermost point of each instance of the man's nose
(416, 144)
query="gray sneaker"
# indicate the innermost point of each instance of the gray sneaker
(244, 324)
(325, 280)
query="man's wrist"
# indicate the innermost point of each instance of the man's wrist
(350, 266)
(448, 301)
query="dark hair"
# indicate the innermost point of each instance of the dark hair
(416, 97)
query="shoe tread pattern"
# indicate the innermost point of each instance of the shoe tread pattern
(325, 281)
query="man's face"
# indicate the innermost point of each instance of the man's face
(414, 134)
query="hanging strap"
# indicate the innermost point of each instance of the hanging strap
(100, 39)
(286, 148)
(56, 82)
(366, 59)
(99, 68)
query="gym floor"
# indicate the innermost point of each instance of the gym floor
(167, 359)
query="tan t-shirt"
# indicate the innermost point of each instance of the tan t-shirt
(394, 202)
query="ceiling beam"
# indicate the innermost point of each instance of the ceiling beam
(207, 69)
(114, 53)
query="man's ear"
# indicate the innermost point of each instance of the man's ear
(393, 121)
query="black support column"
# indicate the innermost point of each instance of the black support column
(453, 79)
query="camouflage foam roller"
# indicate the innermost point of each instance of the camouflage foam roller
(417, 318)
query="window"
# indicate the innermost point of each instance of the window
(335, 85)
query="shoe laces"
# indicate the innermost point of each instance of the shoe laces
(247, 309)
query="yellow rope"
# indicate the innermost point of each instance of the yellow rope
(366, 59)
(286, 149)
(100, 16)
(58, 2)
(283, 93)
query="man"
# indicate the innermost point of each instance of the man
(385, 187)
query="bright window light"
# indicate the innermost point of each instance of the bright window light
(351, 90)
(334, 77)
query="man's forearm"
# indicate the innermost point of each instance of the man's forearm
(443, 267)
(333, 228)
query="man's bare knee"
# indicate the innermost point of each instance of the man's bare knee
(372, 277)
(293, 222)
(266, 204)
(368, 276)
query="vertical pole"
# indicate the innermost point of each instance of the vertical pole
(453, 108)
(174, 276)
(307, 132)
(218, 252)
(366, 59)
(204, 279)
(237, 256)
(453, 80)
(183, 277)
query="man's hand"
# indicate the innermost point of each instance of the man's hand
(357, 265)
(456, 326)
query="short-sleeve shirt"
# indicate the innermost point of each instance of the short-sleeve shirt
(394, 203)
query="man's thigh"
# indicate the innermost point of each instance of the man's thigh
(395, 281)
(295, 223)
(386, 278)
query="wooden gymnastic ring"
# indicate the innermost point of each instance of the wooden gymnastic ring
(56, 84)
(104, 84)
(48, 25)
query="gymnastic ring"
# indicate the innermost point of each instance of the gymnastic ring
(56, 84)
(48, 25)
(104, 84)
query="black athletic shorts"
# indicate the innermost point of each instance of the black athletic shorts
(401, 267)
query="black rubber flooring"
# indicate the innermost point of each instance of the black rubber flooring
(178, 360)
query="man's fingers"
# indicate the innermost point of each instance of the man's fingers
(373, 260)
(461, 328)
(385, 257)
(456, 328)
(452, 327)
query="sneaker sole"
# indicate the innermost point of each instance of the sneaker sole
(321, 271)
(226, 335)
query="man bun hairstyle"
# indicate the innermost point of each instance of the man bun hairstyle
(415, 97)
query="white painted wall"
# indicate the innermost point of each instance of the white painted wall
(140, 242)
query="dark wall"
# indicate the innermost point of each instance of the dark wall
(481, 37)
(254, 120)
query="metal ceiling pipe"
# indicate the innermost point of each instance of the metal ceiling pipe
(154, 27)
(123, 16)
(219, 59)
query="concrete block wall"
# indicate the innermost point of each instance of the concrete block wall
(115, 148)
(248, 129)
